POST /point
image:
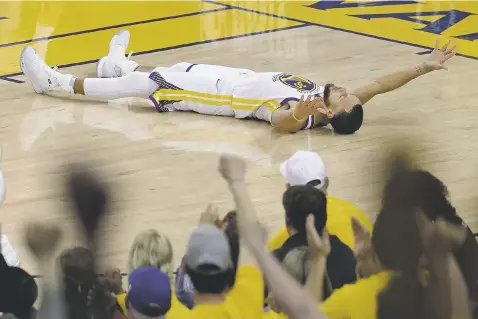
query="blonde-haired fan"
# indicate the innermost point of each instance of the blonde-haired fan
(151, 249)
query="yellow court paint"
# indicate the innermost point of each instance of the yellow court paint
(69, 32)
(39, 19)
(183, 27)
(392, 20)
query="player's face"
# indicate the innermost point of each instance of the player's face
(338, 99)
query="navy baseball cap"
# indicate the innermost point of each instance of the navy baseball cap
(149, 292)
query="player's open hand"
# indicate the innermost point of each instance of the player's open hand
(232, 168)
(436, 60)
(308, 106)
(323, 109)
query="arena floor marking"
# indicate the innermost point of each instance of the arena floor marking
(8, 77)
(405, 22)
(11, 80)
(30, 19)
(86, 47)
(115, 26)
(88, 31)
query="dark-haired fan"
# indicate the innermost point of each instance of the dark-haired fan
(184, 286)
(300, 202)
(397, 286)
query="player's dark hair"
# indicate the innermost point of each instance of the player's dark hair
(299, 202)
(327, 88)
(348, 122)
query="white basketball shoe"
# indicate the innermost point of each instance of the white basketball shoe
(43, 78)
(116, 64)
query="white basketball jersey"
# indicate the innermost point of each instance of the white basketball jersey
(219, 90)
(275, 89)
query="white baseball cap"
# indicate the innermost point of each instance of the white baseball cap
(303, 167)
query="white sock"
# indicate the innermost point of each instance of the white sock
(126, 67)
(135, 84)
(67, 82)
(62, 82)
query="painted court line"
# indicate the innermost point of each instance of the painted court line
(424, 52)
(11, 80)
(333, 28)
(122, 25)
(173, 47)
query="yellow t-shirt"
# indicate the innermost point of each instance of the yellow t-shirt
(339, 216)
(121, 299)
(358, 300)
(178, 310)
(271, 314)
(244, 301)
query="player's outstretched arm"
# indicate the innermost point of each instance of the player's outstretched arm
(435, 61)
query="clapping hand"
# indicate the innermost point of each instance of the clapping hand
(210, 216)
(319, 245)
(362, 238)
(367, 262)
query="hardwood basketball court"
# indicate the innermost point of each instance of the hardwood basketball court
(163, 166)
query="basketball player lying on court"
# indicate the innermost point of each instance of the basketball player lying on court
(288, 102)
